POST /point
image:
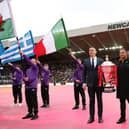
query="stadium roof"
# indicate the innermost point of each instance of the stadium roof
(106, 38)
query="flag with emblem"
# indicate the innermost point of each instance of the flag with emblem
(6, 25)
(55, 40)
(12, 53)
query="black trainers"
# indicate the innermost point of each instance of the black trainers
(47, 106)
(121, 120)
(84, 108)
(100, 120)
(43, 106)
(35, 117)
(91, 120)
(29, 115)
(76, 107)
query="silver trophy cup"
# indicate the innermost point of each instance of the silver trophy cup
(108, 76)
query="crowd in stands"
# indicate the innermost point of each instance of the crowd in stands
(60, 73)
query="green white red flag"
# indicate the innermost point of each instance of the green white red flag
(55, 40)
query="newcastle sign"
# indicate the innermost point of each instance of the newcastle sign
(120, 25)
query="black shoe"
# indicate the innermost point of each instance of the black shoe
(100, 120)
(91, 120)
(29, 115)
(121, 120)
(47, 106)
(35, 117)
(43, 106)
(76, 107)
(84, 108)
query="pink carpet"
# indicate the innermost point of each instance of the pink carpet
(59, 115)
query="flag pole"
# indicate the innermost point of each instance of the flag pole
(37, 59)
(14, 27)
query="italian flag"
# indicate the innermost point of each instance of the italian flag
(55, 40)
(6, 26)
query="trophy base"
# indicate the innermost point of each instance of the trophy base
(108, 88)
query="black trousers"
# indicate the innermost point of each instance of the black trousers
(45, 94)
(79, 89)
(98, 92)
(123, 107)
(31, 100)
(17, 93)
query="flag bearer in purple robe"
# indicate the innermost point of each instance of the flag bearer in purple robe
(78, 83)
(17, 84)
(45, 76)
(31, 82)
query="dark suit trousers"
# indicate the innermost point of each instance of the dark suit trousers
(123, 107)
(79, 89)
(98, 92)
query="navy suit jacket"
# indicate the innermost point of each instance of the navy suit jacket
(90, 75)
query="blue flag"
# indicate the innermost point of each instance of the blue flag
(1, 48)
(12, 53)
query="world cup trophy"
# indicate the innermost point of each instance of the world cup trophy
(107, 73)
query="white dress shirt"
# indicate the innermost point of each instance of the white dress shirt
(95, 61)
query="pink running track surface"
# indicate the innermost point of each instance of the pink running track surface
(60, 114)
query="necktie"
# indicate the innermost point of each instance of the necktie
(92, 63)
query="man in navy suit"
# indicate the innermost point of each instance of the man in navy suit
(90, 79)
